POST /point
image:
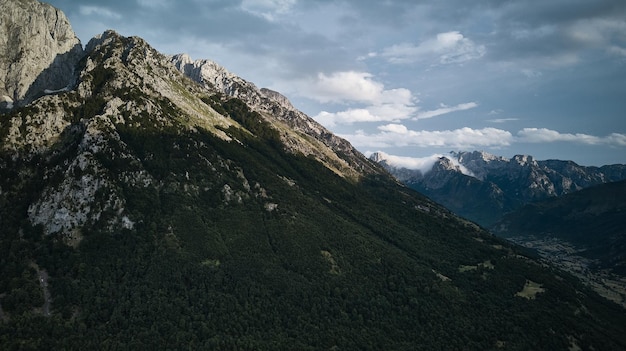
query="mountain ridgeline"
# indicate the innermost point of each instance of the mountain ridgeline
(164, 203)
(490, 186)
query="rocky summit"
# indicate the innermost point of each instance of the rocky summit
(38, 52)
(157, 202)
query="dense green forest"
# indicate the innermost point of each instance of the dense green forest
(239, 245)
(591, 219)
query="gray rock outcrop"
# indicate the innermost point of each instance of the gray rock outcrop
(38, 51)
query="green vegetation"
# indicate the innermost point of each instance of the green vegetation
(591, 219)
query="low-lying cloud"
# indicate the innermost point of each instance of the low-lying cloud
(422, 164)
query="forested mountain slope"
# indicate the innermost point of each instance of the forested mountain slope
(142, 210)
(584, 232)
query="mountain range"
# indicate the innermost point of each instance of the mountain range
(156, 202)
(483, 187)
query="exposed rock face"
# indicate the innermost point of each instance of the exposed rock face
(38, 51)
(335, 152)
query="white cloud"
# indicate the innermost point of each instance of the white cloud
(446, 48)
(348, 86)
(330, 119)
(398, 135)
(543, 135)
(446, 109)
(391, 105)
(423, 164)
(373, 113)
(502, 120)
(394, 128)
(351, 87)
(99, 12)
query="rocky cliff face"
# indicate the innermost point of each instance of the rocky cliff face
(38, 51)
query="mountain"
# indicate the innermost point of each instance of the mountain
(489, 186)
(38, 51)
(583, 232)
(142, 208)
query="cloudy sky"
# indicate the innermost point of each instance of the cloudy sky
(412, 78)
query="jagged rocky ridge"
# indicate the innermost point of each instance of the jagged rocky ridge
(142, 210)
(277, 108)
(492, 185)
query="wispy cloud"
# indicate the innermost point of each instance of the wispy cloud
(99, 11)
(543, 135)
(502, 120)
(444, 48)
(267, 9)
(444, 109)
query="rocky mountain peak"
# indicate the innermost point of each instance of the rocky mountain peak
(377, 157)
(479, 162)
(278, 97)
(446, 164)
(525, 160)
(38, 51)
(211, 75)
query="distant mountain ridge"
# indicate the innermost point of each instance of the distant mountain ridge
(496, 185)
